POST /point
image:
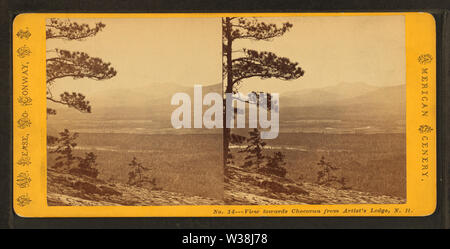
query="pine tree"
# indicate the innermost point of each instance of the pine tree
(136, 176)
(65, 145)
(325, 175)
(254, 150)
(275, 165)
(86, 166)
(77, 65)
(66, 160)
(253, 63)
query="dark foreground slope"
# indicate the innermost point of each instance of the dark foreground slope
(244, 187)
(72, 190)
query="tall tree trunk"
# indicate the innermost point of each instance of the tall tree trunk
(229, 88)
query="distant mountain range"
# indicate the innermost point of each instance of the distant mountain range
(133, 103)
(344, 94)
(144, 96)
(344, 101)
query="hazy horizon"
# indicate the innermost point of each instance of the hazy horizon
(187, 51)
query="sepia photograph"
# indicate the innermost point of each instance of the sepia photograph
(110, 84)
(226, 111)
(341, 86)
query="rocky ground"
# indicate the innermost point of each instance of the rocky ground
(244, 187)
(72, 190)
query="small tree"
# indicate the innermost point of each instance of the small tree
(326, 174)
(65, 145)
(255, 157)
(254, 149)
(136, 176)
(64, 148)
(86, 166)
(234, 139)
(275, 165)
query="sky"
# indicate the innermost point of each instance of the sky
(152, 52)
(333, 50)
